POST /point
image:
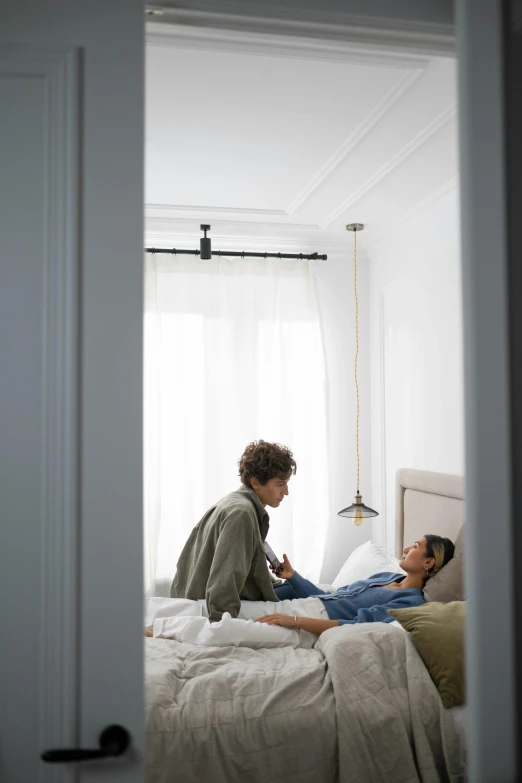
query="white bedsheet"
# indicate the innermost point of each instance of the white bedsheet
(170, 607)
(184, 620)
(230, 632)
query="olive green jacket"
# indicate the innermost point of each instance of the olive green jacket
(223, 560)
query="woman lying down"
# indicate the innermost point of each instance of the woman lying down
(304, 606)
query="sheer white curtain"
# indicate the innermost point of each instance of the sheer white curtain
(233, 353)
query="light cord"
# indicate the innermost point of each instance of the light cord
(356, 353)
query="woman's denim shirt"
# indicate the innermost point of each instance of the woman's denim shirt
(364, 601)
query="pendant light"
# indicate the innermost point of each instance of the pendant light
(357, 511)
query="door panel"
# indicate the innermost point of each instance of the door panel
(491, 673)
(39, 474)
(71, 205)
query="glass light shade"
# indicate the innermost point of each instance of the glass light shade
(358, 511)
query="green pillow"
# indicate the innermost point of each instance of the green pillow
(437, 631)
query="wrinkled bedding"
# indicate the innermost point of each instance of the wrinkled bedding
(231, 714)
(390, 719)
(230, 632)
(358, 708)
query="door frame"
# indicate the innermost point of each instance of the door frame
(478, 36)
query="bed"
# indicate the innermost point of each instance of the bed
(359, 706)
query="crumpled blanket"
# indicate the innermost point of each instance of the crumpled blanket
(391, 723)
(237, 715)
(358, 708)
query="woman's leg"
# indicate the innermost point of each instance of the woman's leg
(251, 610)
(302, 607)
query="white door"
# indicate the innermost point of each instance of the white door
(71, 202)
(71, 205)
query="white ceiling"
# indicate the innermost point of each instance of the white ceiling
(274, 139)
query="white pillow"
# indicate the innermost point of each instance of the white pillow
(366, 560)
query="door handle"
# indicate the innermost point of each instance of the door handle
(114, 741)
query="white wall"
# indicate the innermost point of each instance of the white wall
(416, 351)
(410, 363)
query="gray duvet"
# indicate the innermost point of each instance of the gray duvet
(359, 708)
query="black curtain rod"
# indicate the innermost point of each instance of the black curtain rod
(239, 254)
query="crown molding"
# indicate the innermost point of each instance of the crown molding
(394, 33)
(186, 225)
(421, 137)
(402, 85)
(193, 223)
(242, 235)
(170, 211)
(275, 44)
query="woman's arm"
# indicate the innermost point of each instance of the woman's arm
(298, 623)
(302, 587)
(379, 613)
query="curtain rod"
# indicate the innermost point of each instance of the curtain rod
(237, 253)
(205, 251)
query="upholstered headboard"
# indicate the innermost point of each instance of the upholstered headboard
(427, 503)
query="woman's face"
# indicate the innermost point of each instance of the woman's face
(414, 559)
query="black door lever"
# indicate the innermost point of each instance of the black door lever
(114, 741)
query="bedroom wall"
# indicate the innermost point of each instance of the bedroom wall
(397, 151)
(416, 350)
(410, 364)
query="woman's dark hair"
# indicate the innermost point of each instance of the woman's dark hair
(442, 549)
(265, 461)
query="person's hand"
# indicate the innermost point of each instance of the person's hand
(287, 571)
(286, 620)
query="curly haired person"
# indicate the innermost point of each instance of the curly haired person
(223, 560)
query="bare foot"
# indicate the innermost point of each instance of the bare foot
(148, 631)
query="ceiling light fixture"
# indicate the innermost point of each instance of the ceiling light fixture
(357, 511)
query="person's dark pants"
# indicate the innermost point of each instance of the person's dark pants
(285, 591)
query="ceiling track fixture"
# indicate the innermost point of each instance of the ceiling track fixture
(205, 251)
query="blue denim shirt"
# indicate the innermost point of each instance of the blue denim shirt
(364, 601)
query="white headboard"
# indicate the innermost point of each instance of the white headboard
(427, 502)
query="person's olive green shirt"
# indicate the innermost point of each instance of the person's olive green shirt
(223, 560)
